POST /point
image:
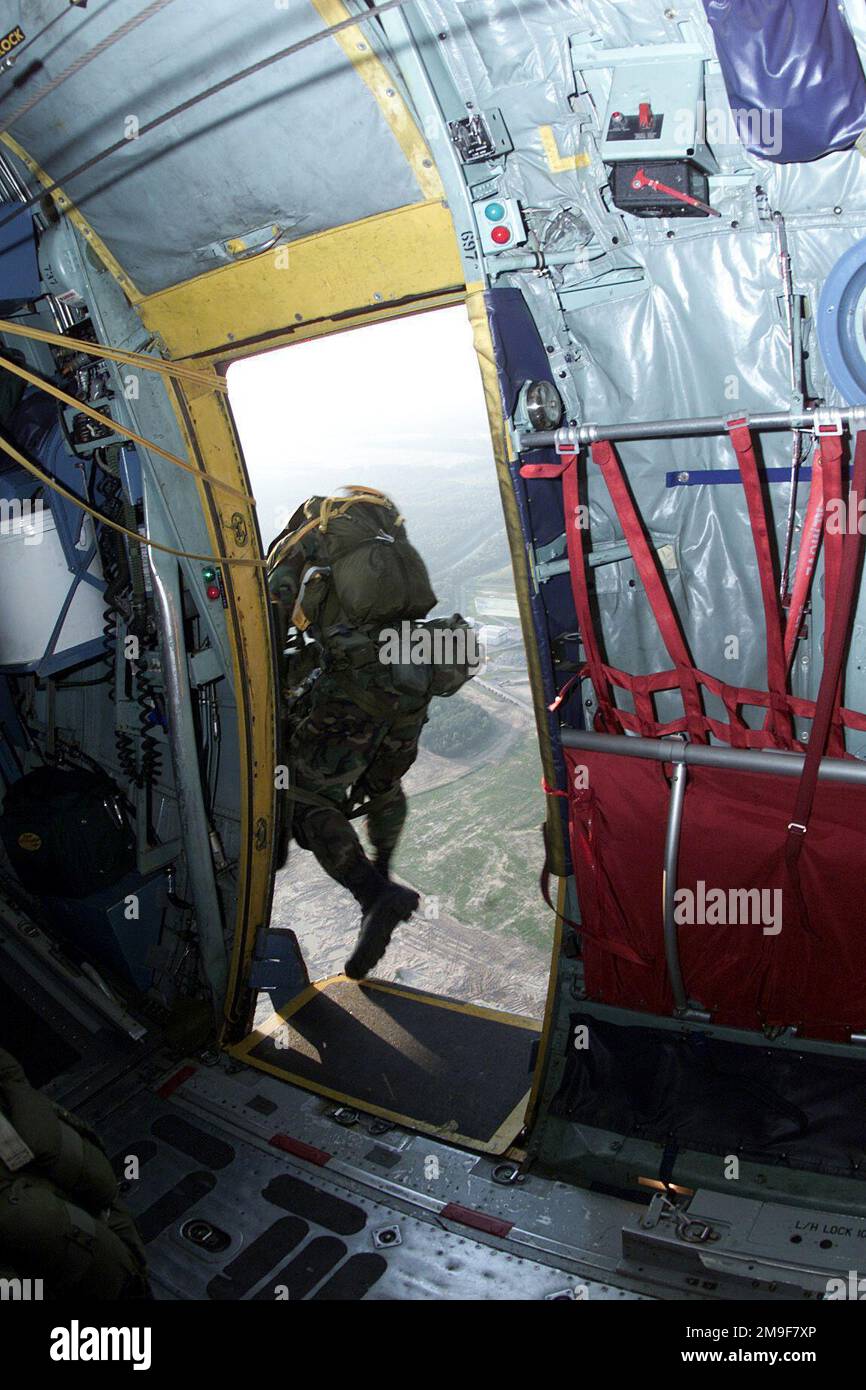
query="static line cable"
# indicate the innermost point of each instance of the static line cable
(87, 57)
(187, 105)
(12, 58)
(226, 560)
(117, 427)
(128, 358)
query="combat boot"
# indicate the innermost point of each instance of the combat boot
(382, 864)
(396, 904)
(366, 884)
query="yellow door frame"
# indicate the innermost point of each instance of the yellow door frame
(252, 306)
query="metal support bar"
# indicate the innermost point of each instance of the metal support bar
(572, 436)
(195, 827)
(508, 263)
(669, 885)
(545, 568)
(671, 750)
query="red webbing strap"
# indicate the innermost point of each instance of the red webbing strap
(826, 705)
(833, 534)
(833, 537)
(571, 502)
(779, 718)
(586, 842)
(810, 544)
(614, 948)
(604, 455)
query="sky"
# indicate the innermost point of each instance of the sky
(360, 406)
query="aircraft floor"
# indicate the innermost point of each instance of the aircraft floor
(454, 1070)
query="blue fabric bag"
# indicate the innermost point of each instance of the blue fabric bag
(793, 76)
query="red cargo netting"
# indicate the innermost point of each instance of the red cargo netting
(780, 941)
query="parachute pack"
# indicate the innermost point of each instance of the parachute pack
(362, 568)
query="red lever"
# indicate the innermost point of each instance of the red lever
(645, 116)
(640, 180)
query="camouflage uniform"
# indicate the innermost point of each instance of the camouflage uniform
(350, 736)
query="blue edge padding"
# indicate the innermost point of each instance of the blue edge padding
(521, 356)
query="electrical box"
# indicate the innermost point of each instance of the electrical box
(652, 100)
(500, 224)
(661, 188)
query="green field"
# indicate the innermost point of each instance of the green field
(477, 845)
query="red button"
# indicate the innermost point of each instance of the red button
(500, 235)
(213, 591)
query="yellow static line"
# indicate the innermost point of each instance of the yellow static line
(65, 205)
(559, 163)
(376, 76)
(83, 506)
(126, 357)
(117, 427)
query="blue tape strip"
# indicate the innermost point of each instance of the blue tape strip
(712, 477)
